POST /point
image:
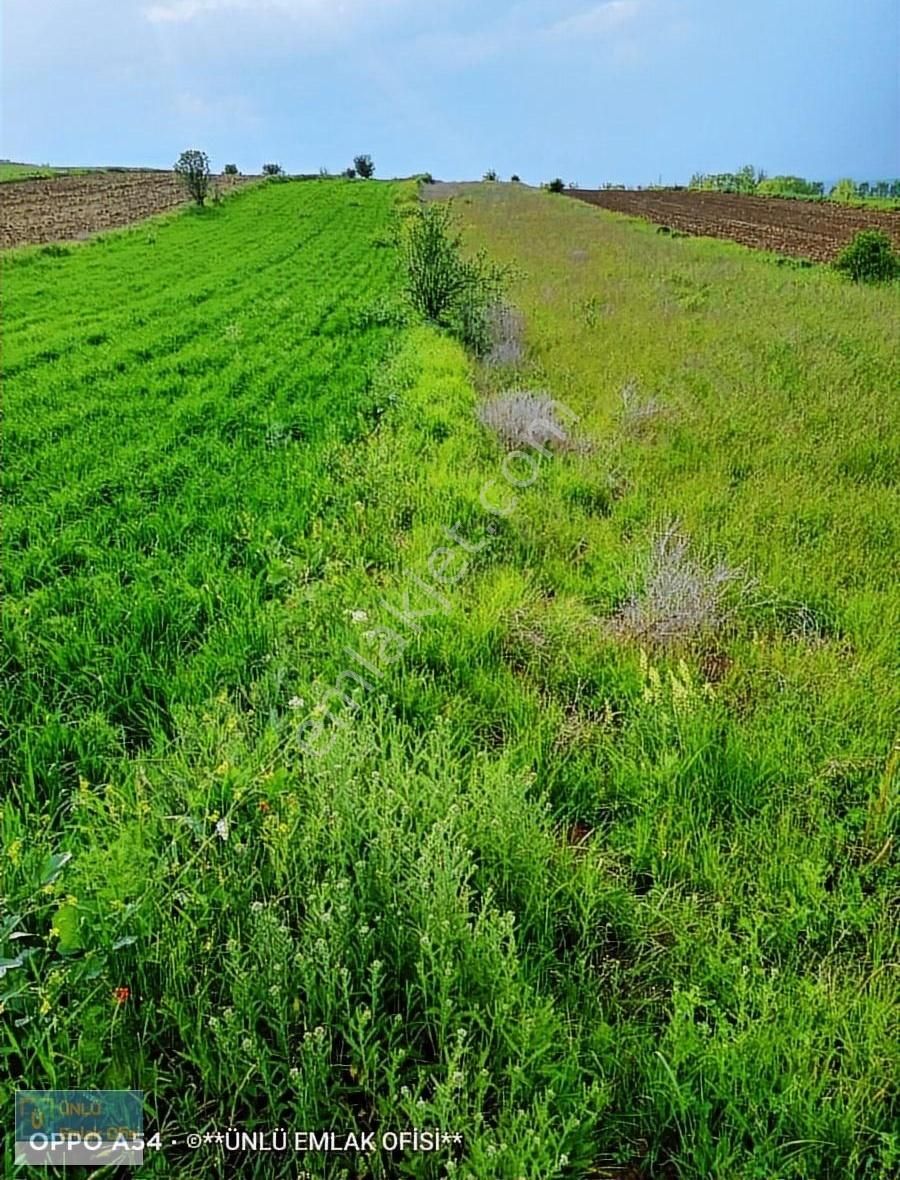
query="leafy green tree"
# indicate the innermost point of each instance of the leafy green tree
(364, 166)
(789, 186)
(844, 190)
(272, 170)
(192, 169)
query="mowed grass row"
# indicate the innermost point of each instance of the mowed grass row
(586, 904)
(169, 395)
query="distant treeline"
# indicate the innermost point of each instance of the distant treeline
(751, 180)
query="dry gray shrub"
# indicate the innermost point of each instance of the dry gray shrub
(525, 418)
(507, 334)
(638, 412)
(679, 597)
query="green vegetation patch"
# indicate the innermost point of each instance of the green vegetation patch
(347, 789)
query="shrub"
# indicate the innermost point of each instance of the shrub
(677, 598)
(869, 258)
(491, 174)
(525, 417)
(231, 170)
(427, 178)
(272, 170)
(557, 186)
(364, 166)
(192, 168)
(515, 179)
(450, 290)
(349, 173)
(507, 325)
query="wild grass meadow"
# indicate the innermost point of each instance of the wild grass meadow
(372, 766)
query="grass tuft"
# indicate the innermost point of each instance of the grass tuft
(679, 597)
(523, 418)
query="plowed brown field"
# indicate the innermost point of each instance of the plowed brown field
(817, 230)
(66, 208)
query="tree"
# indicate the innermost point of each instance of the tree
(844, 190)
(491, 174)
(349, 173)
(364, 166)
(515, 179)
(192, 168)
(793, 186)
(231, 170)
(272, 170)
(557, 186)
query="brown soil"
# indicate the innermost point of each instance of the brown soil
(817, 230)
(67, 208)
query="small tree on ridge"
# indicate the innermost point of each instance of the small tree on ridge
(192, 168)
(364, 167)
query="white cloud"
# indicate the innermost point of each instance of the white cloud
(325, 11)
(517, 31)
(599, 20)
(183, 10)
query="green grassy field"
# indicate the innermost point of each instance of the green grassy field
(372, 849)
(35, 171)
(23, 171)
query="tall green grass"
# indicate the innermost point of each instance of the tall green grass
(591, 906)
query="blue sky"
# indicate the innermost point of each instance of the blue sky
(627, 91)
